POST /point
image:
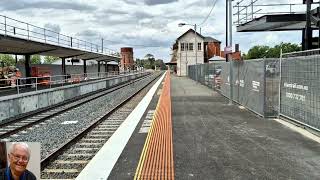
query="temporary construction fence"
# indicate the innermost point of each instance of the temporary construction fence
(255, 82)
(289, 86)
(300, 87)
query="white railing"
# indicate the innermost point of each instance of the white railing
(19, 29)
(47, 82)
(246, 11)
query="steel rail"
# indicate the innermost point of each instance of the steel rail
(51, 157)
(103, 92)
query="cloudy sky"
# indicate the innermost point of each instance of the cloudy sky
(149, 26)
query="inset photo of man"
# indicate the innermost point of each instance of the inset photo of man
(19, 160)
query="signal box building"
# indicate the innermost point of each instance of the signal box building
(194, 48)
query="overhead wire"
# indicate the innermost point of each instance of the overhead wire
(139, 45)
(207, 17)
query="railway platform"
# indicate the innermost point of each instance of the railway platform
(188, 131)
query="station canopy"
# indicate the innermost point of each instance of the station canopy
(14, 45)
(21, 38)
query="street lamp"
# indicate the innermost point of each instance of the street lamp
(195, 42)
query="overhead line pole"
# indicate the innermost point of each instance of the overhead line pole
(230, 54)
(195, 49)
(226, 27)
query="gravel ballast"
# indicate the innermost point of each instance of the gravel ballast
(58, 130)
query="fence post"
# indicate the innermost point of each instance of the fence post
(264, 88)
(246, 14)
(36, 83)
(251, 9)
(50, 81)
(5, 25)
(28, 31)
(290, 8)
(280, 70)
(17, 83)
(214, 76)
(44, 34)
(238, 12)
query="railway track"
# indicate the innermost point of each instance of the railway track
(68, 161)
(20, 124)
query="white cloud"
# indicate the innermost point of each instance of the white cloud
(137, 23)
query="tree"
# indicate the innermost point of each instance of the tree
(149, 61)
(139, 62)
(274, 52)
(50, 59)
(7, 59)
(35, 59)
(286, 48)
(257, 52)
(149, 56)
(160, 64)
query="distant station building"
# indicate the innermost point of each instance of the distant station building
(127, 62)
(186, 52)
(206, 50)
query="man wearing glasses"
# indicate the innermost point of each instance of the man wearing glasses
(19, 155)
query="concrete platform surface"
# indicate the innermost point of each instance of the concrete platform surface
(128, 161)
(213, 140)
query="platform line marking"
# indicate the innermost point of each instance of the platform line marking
(103, 162)
(146, 124)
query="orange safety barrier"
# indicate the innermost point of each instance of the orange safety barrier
(156, 160)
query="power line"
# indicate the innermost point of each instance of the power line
(207, 17)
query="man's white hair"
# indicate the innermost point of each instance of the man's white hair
(23, 145)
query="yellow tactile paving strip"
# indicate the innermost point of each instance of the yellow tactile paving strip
(156, 160)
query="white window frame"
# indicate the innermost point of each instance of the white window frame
(191, 47)
(199, 46)
(182, 46)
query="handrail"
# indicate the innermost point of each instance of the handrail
(17, 28)
(60, 79)
(248, 12)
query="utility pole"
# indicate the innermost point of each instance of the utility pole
(230, 54)
(226, 28)
(195, 49)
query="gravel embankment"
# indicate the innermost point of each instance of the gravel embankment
(58, 130)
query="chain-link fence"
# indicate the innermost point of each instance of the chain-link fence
(258, 83)
(300, 83)
(207, 74)
(255, 82)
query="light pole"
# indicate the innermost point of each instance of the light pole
(195, 43)
(229, 28)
